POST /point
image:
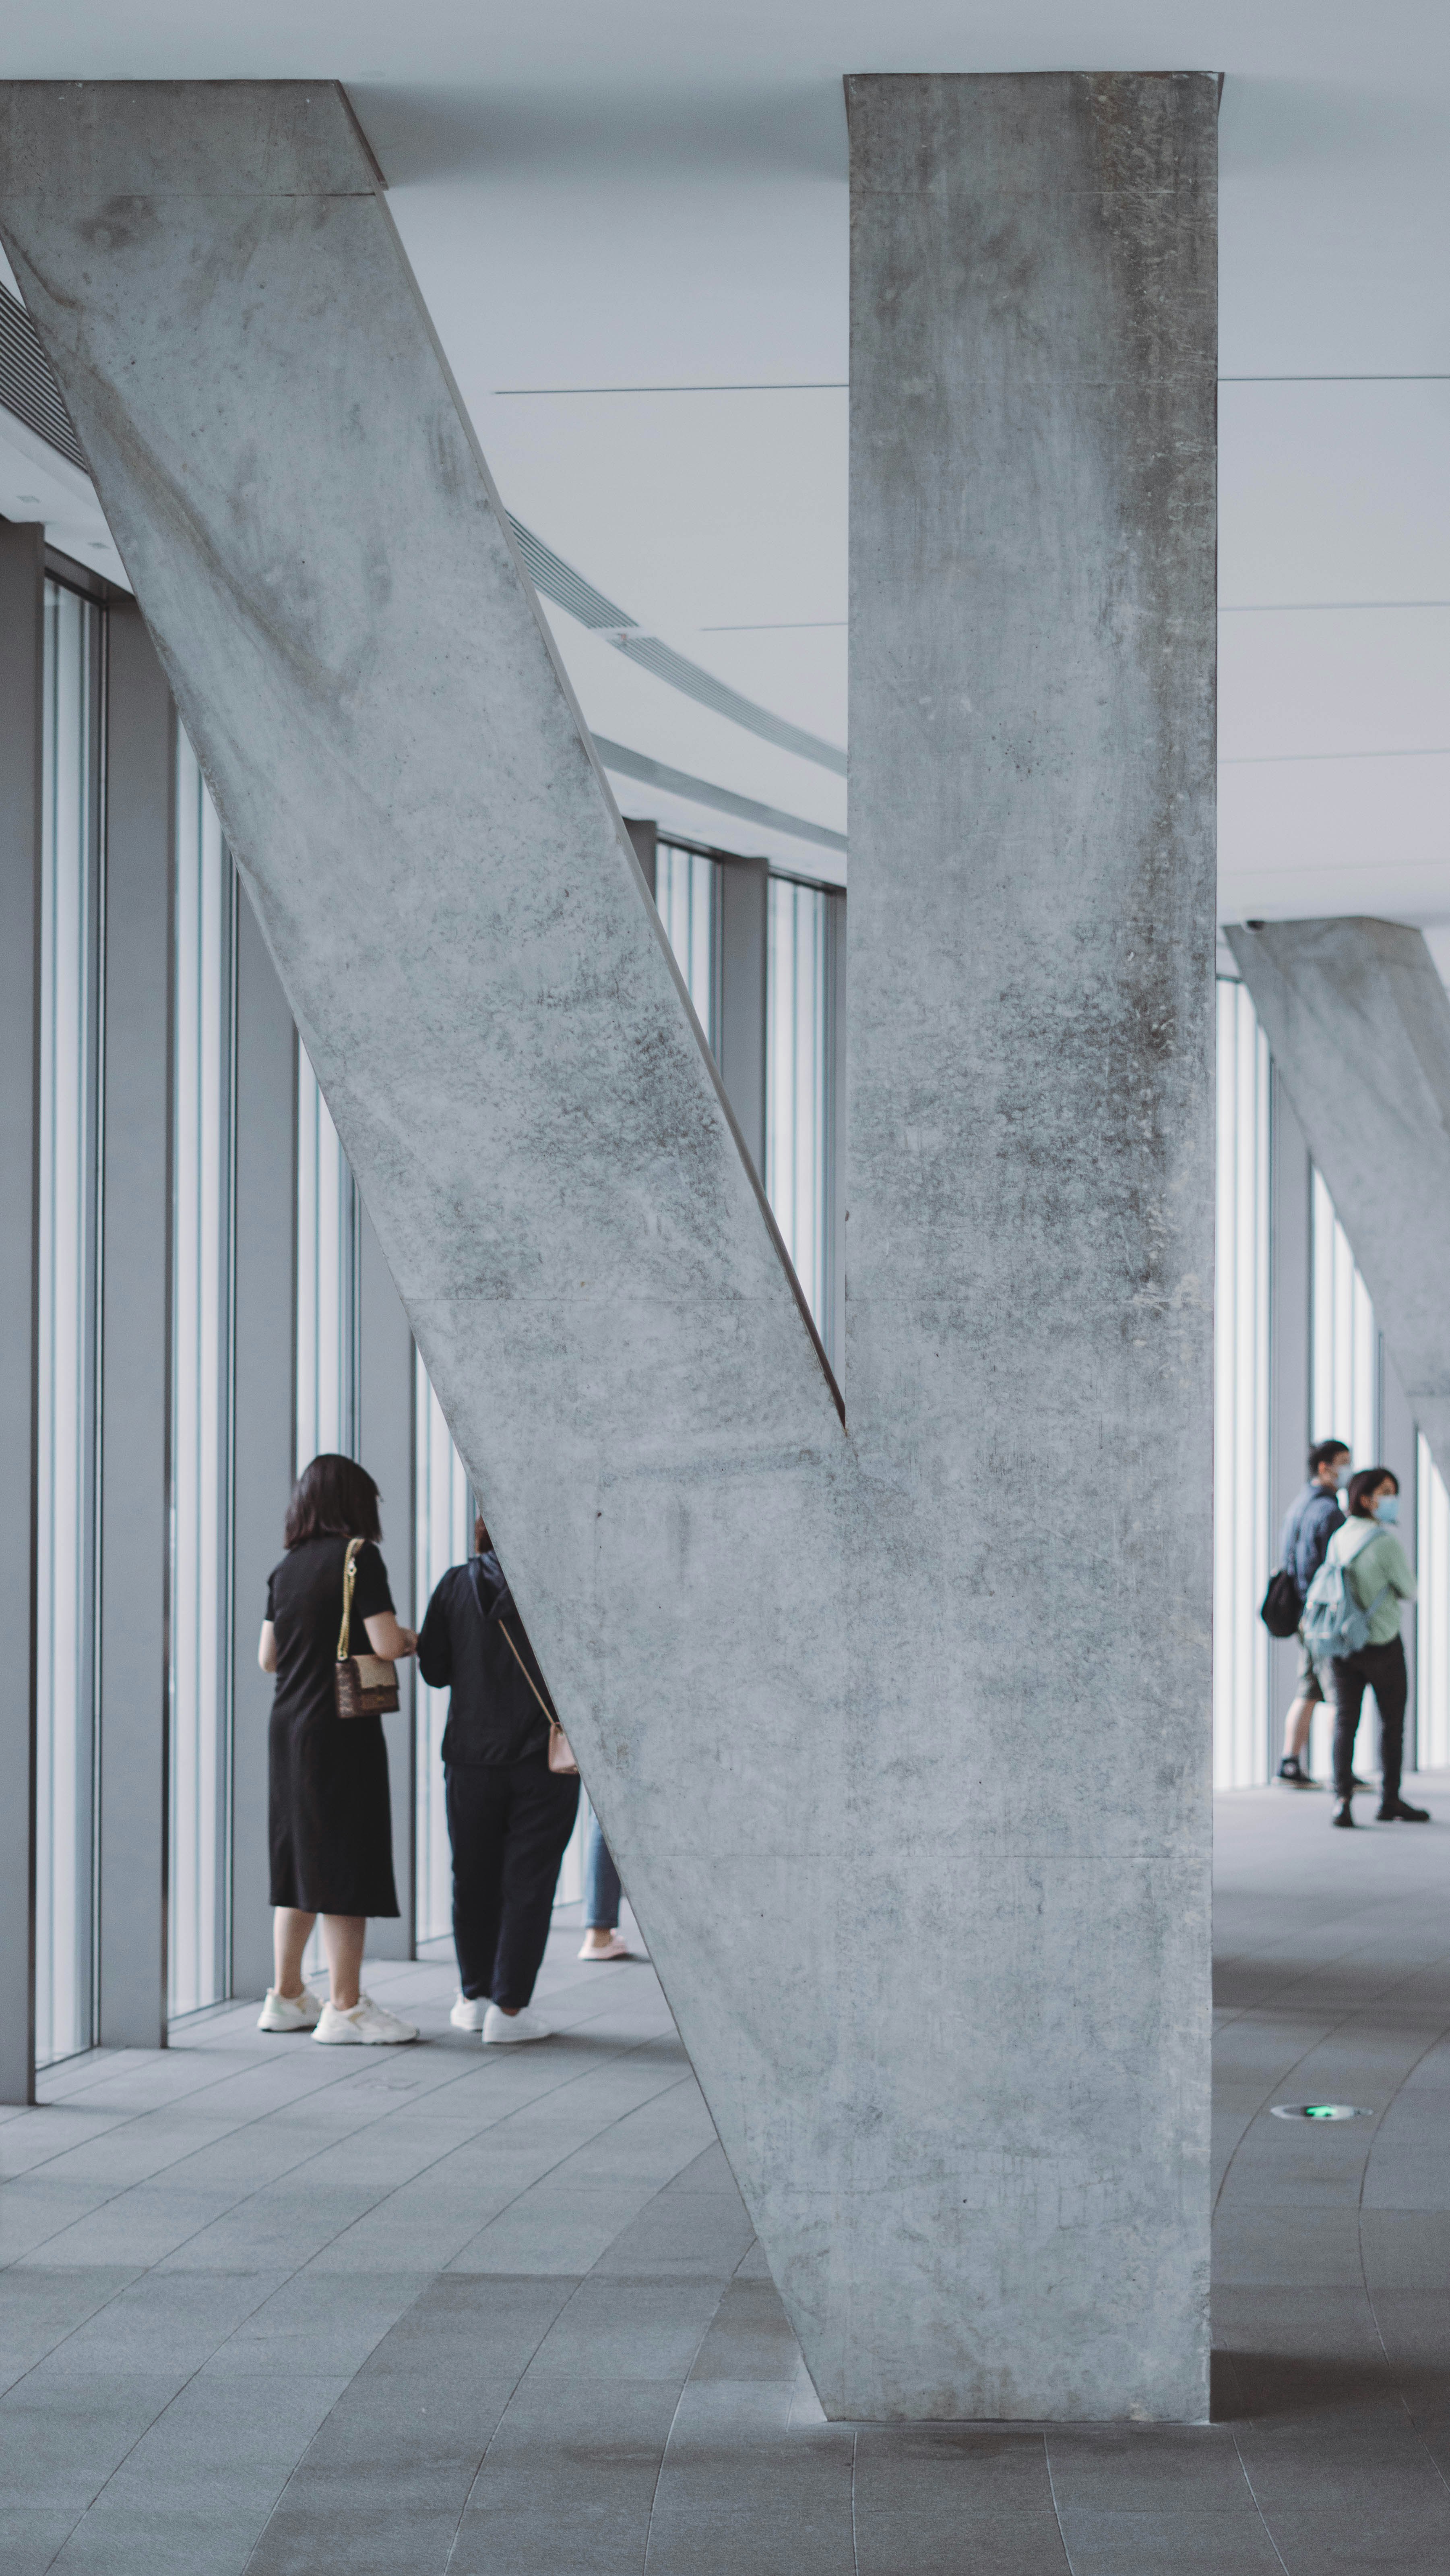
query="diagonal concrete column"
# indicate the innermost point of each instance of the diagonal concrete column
(1358, 1022)
(920, 1717)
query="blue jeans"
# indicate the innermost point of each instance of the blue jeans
(601, 1881)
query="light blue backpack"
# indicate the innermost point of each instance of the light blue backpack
(1333, 1622)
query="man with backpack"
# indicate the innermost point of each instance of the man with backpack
(509, 1815)
(1311, 1524)
(1352, 1614)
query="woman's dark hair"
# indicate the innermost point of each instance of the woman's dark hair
(481, 1540)
(333, 1498)
(1366, 1483)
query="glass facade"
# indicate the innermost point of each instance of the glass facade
(329, 1247)
(687, 892)
(1432, 1616)
(1344, 1401)
(798, 1088)
(203, 1090)
(1242, 1539)
(68, 1359)
(442, 1536)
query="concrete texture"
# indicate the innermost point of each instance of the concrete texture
(1358, 1022)
(1030, 1189)
(502, 2312)
(954, 2041)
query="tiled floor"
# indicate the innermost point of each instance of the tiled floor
(307, 2313)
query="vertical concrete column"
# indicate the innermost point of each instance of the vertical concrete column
(385, 1446)
(264, 1309)
(1030, 1180)
(135, 1338)
(22, 644)
(1290, 1429)
(744, 895)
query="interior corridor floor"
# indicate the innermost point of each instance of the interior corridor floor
(304, 2312)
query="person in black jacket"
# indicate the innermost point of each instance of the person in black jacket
(509, 1815)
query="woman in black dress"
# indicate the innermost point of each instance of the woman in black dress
(330, 1818)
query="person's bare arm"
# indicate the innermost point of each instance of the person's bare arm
(267, 1650)
(388, 1639)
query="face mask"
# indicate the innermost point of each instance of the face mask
(1387, 1508)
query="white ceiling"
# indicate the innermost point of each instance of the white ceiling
(655, 195)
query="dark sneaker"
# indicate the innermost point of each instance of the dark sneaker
(1293, 1773)
(1397, 1813)
(1344, 1813)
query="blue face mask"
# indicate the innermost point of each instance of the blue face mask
(1387, 1508)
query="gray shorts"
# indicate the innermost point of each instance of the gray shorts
(1311, 1684)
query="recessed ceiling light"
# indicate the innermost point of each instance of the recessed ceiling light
(28, 500)
(99, 546)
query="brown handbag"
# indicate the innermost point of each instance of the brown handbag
(561, 1757)
(364, 1685)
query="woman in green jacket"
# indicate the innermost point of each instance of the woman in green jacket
(1378, 1574)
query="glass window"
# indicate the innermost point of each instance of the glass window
(1344, 1397)
(329, 1249)
(687, 892)
(200, 1694)
(443, 1536)
(1242, 1537)
(1432, 1615)
(67, 1338)
(797, 1090)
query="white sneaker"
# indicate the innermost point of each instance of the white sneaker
(470, 2012)
(368, 2024)
(616, 1947)
(289, 2012)
(515, 2026)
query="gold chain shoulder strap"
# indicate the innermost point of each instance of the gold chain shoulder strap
(523, 1668)
(349, 1578)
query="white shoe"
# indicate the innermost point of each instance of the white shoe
(368, 2025)
(470, 2012)
(616, 1947)
(514, 2026)
(289, 2012)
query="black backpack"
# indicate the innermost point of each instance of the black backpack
(1282, 1606)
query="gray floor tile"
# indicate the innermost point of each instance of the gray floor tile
(1370, 2542)
(941, 2499)
(568, 2482)
(750, 2337)
(1152, 2544)
(735, 2492)
(1146, 2468)
(629, 2330)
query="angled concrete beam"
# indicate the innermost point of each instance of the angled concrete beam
(919, 1716)
(1358, 1023)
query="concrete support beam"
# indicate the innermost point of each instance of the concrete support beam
(22, 646)
(264, 1297)
(1030, 1181)
(957, 2055)
(135, 1339)
(1358, 1023)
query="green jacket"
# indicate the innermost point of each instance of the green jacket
(1374, 1560)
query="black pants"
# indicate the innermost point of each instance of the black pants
(508, 1823)
(1382, 1670)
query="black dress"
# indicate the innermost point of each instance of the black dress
(331, 1826)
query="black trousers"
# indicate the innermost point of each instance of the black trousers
(508, 1823)
(1382, 1670)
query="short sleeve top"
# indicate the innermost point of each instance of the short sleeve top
(304, 1604)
